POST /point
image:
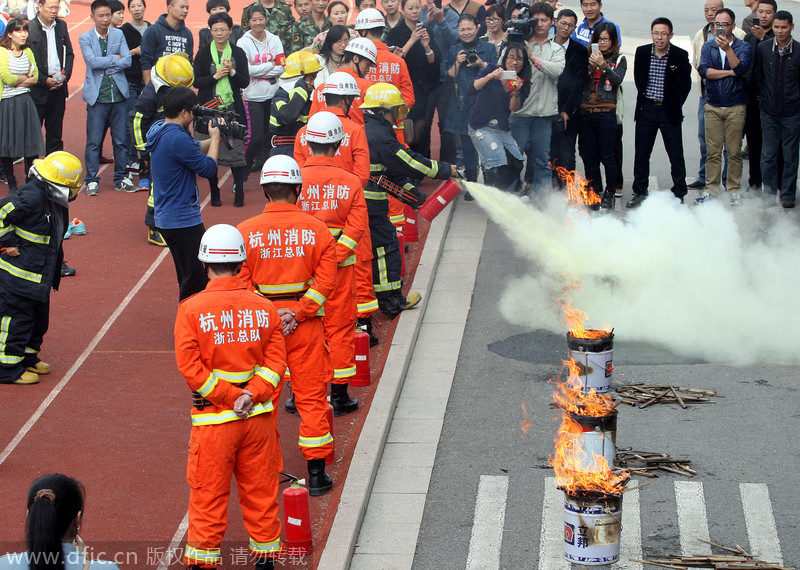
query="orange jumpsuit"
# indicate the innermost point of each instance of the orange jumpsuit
(356, 114)
(353, 156)
(227, 338)
(291, 259)
(335, 196)
(391, 68)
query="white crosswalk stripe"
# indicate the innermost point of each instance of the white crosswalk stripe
(551, 543)
(692, 519)
(487, 526)
(761, 529)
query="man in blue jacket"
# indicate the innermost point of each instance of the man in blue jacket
(175, 161)
(724, 61)
(168, 35)
(105, 89)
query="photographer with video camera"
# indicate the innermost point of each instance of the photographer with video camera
(221, 70)
(175, 161)
(465, 59)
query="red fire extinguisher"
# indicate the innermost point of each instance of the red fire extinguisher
(445, 194)
(331, 456)
(362, 376)
(297, 519)
(402, 243)
(411, 229)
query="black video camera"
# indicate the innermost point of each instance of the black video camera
(472, 55)
(520, 28)
(203, 116)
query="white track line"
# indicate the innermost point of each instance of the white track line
(692, 519)
(761, 529)
(91, 346)
(488, 522)
(172, 549)
(551, 541)
(630, 544)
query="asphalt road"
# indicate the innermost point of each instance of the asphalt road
(742, 447)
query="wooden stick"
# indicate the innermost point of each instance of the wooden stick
(656, 563)
(651, 400)
(634, 488)
(672, 388)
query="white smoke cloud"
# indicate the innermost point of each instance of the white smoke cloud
(709, 282)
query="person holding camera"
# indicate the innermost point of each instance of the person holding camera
(532, 124)
(175, 161)
(724, 62)
(599, 111)
(500, 90)
(221, 70)
(464, 60)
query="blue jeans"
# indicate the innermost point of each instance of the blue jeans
(701, 137)
(97, 115)
(491, 142)
(535, 131)
(780, 133)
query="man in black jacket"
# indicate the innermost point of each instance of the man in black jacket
(662, 74)
(52, 49)
(570, 92)
(776, 69)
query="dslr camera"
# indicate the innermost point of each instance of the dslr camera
(203, 116)
(472, 55)
(521, 28)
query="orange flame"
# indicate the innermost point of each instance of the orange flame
(525, 424)
(578, 190)
(568, 396)
(574, 318)
(575, 471)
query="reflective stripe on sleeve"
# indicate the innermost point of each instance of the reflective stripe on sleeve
(431, 172)
(347, 241)
(351, 260)
(315, 296)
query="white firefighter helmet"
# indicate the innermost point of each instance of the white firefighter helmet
(222, 243)
(363, 47)
(369, 18)
(280, 169)
(340, 83)
(324, 127)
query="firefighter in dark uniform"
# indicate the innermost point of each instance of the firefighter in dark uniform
(292, 101)
(392, 165)
(32, 225)
(170, 70)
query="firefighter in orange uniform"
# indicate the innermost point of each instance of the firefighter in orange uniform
(291, 260)
(335, 196)
(340, 91)
(229, 347)
(389, 68)
(359, 57)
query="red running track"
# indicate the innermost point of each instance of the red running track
(115, 411)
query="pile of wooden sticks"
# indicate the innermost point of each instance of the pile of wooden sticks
(643, 396)
(739, 560)
(644, 463)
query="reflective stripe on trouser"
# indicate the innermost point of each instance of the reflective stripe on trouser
(397, 213)
(247, 449)
(387, 281)
(309, 360)
(23, 323)
(366, 302)
(340, 325)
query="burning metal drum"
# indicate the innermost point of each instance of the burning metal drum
(592, 525)
(595, 359)
(598, 436)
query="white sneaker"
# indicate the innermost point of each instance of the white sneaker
(703, 198)
(733, 197)
(91, 188)
(126, 185)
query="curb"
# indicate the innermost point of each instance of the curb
(367, 454)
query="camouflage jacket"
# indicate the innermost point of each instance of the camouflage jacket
(280, 21)
(305, 31)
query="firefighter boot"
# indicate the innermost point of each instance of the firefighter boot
(289, 404)
(366, 324)
(340, 400)
(319, 482)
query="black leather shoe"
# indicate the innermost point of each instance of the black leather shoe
(319, 482)
(697, 185)
(66, 270)
(636, 201)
